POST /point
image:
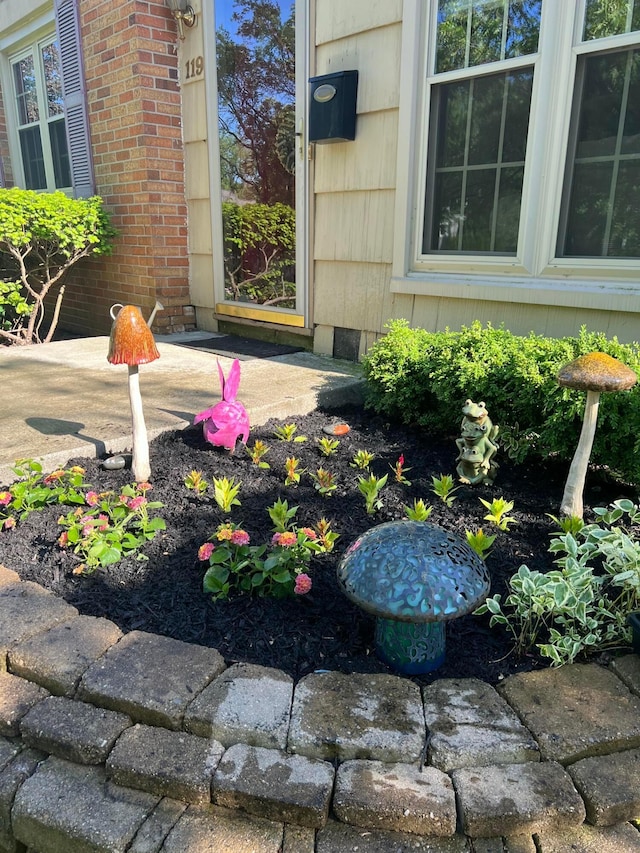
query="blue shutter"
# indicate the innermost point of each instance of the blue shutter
(75, 103)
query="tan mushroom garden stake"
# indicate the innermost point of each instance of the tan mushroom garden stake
(593, 373)
(132, 343)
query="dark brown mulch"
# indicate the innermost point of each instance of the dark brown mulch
(321, 630)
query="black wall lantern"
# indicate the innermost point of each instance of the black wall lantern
(332, 110)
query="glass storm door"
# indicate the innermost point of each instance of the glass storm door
(260, 106)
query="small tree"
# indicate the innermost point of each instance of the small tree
(42, 235)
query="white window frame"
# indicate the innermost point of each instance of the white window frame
(535, 275)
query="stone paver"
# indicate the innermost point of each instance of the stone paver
(69, 808)
(59, 657)
(589, 839)
(28, 609)
(151, 835)
(357, 716)
(246, 704)
(575, 711)
(513, 799)
(397, 797)
(628, 669)
(212, 829)
(270, 783)
(164, 762)
(8, 750)
(338, 837)
(609, 786)
(298, 839)
(72, 730)
(17, 696)
(470, 725)
(8, 576)
(12, 777)
(151, 678)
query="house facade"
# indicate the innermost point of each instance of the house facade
(494, 174)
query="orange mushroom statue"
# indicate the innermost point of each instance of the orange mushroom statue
(132, 343)
(594, 373)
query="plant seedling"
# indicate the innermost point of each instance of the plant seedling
(328, 446)
(419, 511)
(324, 482)
(225, 492)
(293, 474)
(196, 482)
(399, 471)
(443, 487)
(567, 523)
(371, 488)
(281, 515)
(326, 536)
(287, 432)
(480, 542)
(497, 509)
(256, 453)
(362, 459)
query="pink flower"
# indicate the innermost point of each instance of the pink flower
(310, 533)
(136, 503)
(286, 539)
(63, 539)
(92, 498)
(104, 522)
(87, 530)
(205, 551)
(53, 476)
(123, 499)
(401, 460)
(5, 498)
(239, 537)
(224, 533)
(144, 487)
(303, 584)
(9, 523)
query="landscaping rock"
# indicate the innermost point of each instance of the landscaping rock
(167, 763)
(246, 704)
(627, 668)
(151, 835)
(8, 576)
(398, 797)
(335, 715)
(73, 730)
(68, 808)
(271, 783)
(17, 696)
(212, 829)
(470, 725)
(150, 677)
(28, 609)
(610, 786)
(514, 799)
(341, 838)
(575, 711)
(59, 657)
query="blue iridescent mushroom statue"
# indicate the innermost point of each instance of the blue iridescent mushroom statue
(413, 576)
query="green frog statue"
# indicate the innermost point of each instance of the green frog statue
(477, 445)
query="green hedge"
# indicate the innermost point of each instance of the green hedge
(423, 378)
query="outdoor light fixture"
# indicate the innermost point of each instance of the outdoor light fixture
(184, 15)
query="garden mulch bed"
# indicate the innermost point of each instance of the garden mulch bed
(321, 630)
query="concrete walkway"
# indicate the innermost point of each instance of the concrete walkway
(143, 744)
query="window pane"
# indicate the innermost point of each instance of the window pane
(53, 80)
(32, 159)
(600, 211)
(610, 18)
(475, 32)
(25, 85)
(60, 153)
(474, 188)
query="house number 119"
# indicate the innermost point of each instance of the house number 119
(195, 67)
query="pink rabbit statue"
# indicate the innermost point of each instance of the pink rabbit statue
(228, 419)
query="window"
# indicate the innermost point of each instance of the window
(526, 154)
(37, 87)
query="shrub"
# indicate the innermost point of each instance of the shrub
(42, 235)
(424, 378)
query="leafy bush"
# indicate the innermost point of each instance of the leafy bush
(42, 235)
(424, 378)
(582, 606)
(259, 252)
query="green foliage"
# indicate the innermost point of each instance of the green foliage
(421, 377)
(287, 432)
(259, 251)
(480, 542)
(196, 482)
(399, 471)
(42, 235)
(362, 459)
(293, 472)
(419, 511)
(497, 509)
(567, 523)
(111, 526)
(443, 487)
(371, 487)
(256, 453)
(282, 515)
(581, 606)
(328, 446)
(324, 482)
(36, 490)
(326, 536)
(225, 492)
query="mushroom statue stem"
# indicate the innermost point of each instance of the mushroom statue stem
(572, 497)
(140, 443)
